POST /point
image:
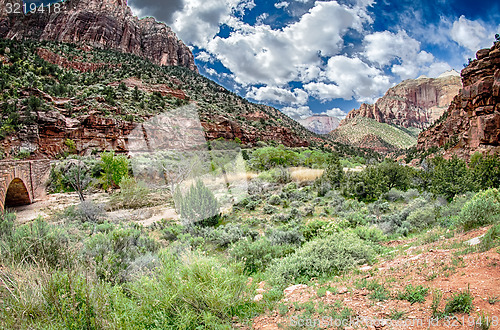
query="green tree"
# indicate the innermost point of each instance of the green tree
(449, 177)
(115, 168)
(198, 207)
(485, 170)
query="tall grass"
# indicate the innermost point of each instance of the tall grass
(304, 174)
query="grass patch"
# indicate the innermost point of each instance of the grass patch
(413, 294)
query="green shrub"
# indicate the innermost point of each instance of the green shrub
(115, 168)
(491, 239)
(252, 205)
(35, 243)
(62, 299)
(285, 235)
(132, 195)
(269, 209)
(113, 252)
(274, 200)
(257, 255)
(198, 207)
(483, 209)
(460, 302)
(223, 236)
(313, 229)
(413, 294)
(332, 177)
(421, 218)
(322, 258)
(193, 292)
(447, 177)
(370, 233)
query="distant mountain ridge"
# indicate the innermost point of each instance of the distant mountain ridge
(107, 24)
(412, 103)
(320, 124)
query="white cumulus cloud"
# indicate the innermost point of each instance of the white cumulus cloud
(469, 34)
(296, 113)
(278, 95)
(348, 77)
(335, 112)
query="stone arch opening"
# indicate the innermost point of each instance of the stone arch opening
(17, 194)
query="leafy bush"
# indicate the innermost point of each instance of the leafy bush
(413, 294)
(190, 292)
(332, 177)
(36, 243)
(274, 200)
(115, 168)
(257, 255)
(269, 209)
(313, 229)
(371, 233)
(223, 236)
(285, 236)
(422, 218)
(481, 210)
(321, 258)
(490, 239)
(375, 180)
(114, 251)
(198, 206)
(132, 195)
(447, 177)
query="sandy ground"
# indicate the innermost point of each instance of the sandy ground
(55, 203)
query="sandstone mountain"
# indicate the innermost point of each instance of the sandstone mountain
(472, 122)
(320, 124)
(412, 103)
(58, 97)
(107, 24)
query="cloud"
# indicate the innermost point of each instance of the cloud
(401, 53)
(262, 55)
(204, 57)
(469, 34)
(278, 95)
(161, 10)
(335, 112)
(349, 78)
(282, 4)
(297, 112)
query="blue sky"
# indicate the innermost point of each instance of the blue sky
(307, 57)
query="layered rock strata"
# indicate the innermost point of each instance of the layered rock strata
(107, 24)
(472, 122)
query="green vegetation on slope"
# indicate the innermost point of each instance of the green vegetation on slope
(366, 132)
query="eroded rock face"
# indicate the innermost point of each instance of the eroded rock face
(473, 118)
(413, 103)
(106, 24)
(320, 124)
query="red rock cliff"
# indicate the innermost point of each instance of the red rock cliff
(413, 103)
(104, 24)
(472, 121)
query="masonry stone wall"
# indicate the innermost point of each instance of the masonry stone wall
(22, 182)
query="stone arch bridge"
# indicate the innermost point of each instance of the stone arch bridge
(22, 182)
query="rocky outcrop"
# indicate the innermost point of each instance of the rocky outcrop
(320, 124)
(413, 103)
(107, 24)
(472, 122)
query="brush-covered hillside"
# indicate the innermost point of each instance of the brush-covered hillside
(369, 133)
(55, 94)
